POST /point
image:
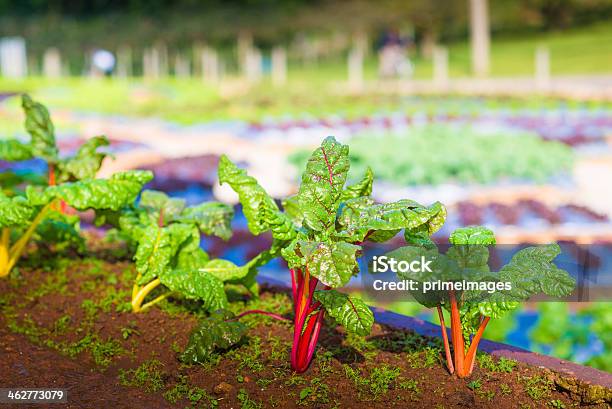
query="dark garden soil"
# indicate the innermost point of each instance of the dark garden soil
(67, 324)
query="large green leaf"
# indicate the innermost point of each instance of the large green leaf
(212, 218)
(214, 334)
(322, 184)
(154, 253)
(86, 162)
(352, 313)
(225, 270)
(196, 285)
(361, 218)
(332, 263)
(532, 270)
(252, 196)
(40, 127)
(14, 211)
(113, 193)
(13, 150)
(362, 188)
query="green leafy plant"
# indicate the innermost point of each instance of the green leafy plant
(21, 215)
(530, 271)
(319, 234)
(168, 255)
(39, 211)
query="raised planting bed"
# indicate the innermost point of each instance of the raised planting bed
(67, 324)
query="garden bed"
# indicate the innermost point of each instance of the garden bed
(68, 324)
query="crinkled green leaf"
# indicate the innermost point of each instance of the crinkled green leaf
(350, 312)
(14, 211)
(213, 334)
(362, 219)
(362, 188)
(225, 270)
(113, 193)
(196, 285)
(154, 253)
(40, 127)
(259, 208)
(532, 271)
(212, 218)
(472, 235)
(252, 196)
(13, 150)
(332, 263)
(86, 162)
(322, 184)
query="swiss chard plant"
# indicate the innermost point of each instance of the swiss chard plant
(36, 211)
(169, 258)
(20, 215)
(319, 233)
(531, 271)
(82, 165)
(58, 226)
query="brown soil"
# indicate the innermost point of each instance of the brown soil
(96, 353)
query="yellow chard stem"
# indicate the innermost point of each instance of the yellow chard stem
(17, 248)
(4, 251)
(155, 301)
(142, 293)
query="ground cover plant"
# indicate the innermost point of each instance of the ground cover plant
(319, 233)
(30, 210)
(436, 154)
(530, 271)
(166, 236)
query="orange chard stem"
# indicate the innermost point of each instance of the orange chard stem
(449, 358)
(457, 336)
(471, 355)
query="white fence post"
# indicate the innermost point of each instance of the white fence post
(542, 68)
(52, 63)
(355, 69)
(13, 57)
(440, 66)
(279, 66)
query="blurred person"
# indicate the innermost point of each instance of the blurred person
(393, 61)
(103, 62)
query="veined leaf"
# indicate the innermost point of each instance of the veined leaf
(40, 127)
(363, 219)
(214, 334)
(212, 218)
(362, 188)
(352, 313)
(322, 183)
(196, 285)
(154, 253)
(14, 211)
(225, 270)
(12, 150)
(86, 162)
(113, 193)
(332, 263)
